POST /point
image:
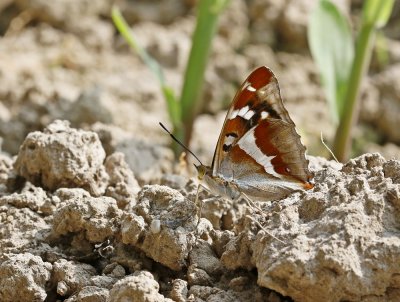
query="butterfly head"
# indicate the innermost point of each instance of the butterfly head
(202, 170)
(217, 184)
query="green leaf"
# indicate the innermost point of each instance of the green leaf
(208, 12)
(174, 108)
(125, 31)
(381, 49)
(172, 103)
(332, 47)
(377, 12)
(218, 6)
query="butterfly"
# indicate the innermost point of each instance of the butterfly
(259, 153)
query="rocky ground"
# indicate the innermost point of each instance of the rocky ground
(94, 208)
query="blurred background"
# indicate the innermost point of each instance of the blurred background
(64, 59)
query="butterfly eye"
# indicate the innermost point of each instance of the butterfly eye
(201, 171)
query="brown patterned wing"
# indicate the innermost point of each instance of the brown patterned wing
(258, 131)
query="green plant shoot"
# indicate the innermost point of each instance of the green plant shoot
(332, 47)
(182, 112)
(375, 15)
(207, 18)
(172, 102)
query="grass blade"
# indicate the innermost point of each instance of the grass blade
(207, 18)
(377, 12)
(124, 30)
(375, 15)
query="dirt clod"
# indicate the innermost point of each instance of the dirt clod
(140, 287)
(24, 277)
(63, 157)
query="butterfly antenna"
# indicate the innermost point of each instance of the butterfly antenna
(180, 144)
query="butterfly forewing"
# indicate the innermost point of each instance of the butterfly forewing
(236, 122)
(258, 146)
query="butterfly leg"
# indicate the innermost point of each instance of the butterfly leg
(199, 203)
(196, 202)
(253, 206)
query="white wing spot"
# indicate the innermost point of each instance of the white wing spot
(245, 85)
(229, 140)
(233, 114)
(243, 111)
(251, 88)
(264, 115)
(248, 115)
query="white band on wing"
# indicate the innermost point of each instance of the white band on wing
(248, 144)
